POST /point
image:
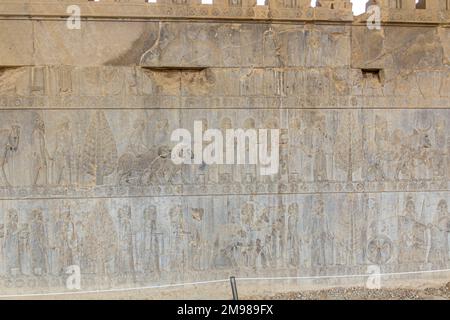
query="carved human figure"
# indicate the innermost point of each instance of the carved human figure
(81, 244)
(293, 238)
(162, 132)
(63, 154)
(126, 242)
(9, 143)
(12, 243)
(278, 235)
(415, 151)
(197, 244)
(284, 155)
(380, 152)
(411, 235)
(264, 235)
(40, 155)
(226, 173)
(438, 238)
(260, 252)
(248, 212)
(439, 155)
(2, 247)
(319, 140)
(248, 171)
(65, 244)
(24, 247)
(321, 238)
(296, 153)
(179, 240)
(136, 143)
(151, 242)
(38, 243)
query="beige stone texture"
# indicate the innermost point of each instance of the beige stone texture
(85, 114)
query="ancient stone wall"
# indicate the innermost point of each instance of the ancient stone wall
(364, 155)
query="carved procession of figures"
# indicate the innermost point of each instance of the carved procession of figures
(154, 239)
(90, 148)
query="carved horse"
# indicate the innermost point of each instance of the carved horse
(9, 143)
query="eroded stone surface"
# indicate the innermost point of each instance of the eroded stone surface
(364, 154)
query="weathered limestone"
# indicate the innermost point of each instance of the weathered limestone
(364, 155)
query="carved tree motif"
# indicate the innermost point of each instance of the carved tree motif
(100, 150)
(348, 146)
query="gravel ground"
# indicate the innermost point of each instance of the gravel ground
(359, 293)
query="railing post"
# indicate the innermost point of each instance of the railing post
(234, 288)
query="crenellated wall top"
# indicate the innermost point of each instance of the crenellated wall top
(425, 11)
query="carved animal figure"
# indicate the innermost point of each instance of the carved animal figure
(415, 150)
(9, 143)
(154, 166)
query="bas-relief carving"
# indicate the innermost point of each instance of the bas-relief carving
(224, 87)
(139, 218)
(79, 149)
(9, 143)
(135, 239)
(126, 240)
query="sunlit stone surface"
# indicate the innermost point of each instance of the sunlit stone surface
(364, 154)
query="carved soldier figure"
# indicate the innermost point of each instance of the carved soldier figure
(40, 155)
